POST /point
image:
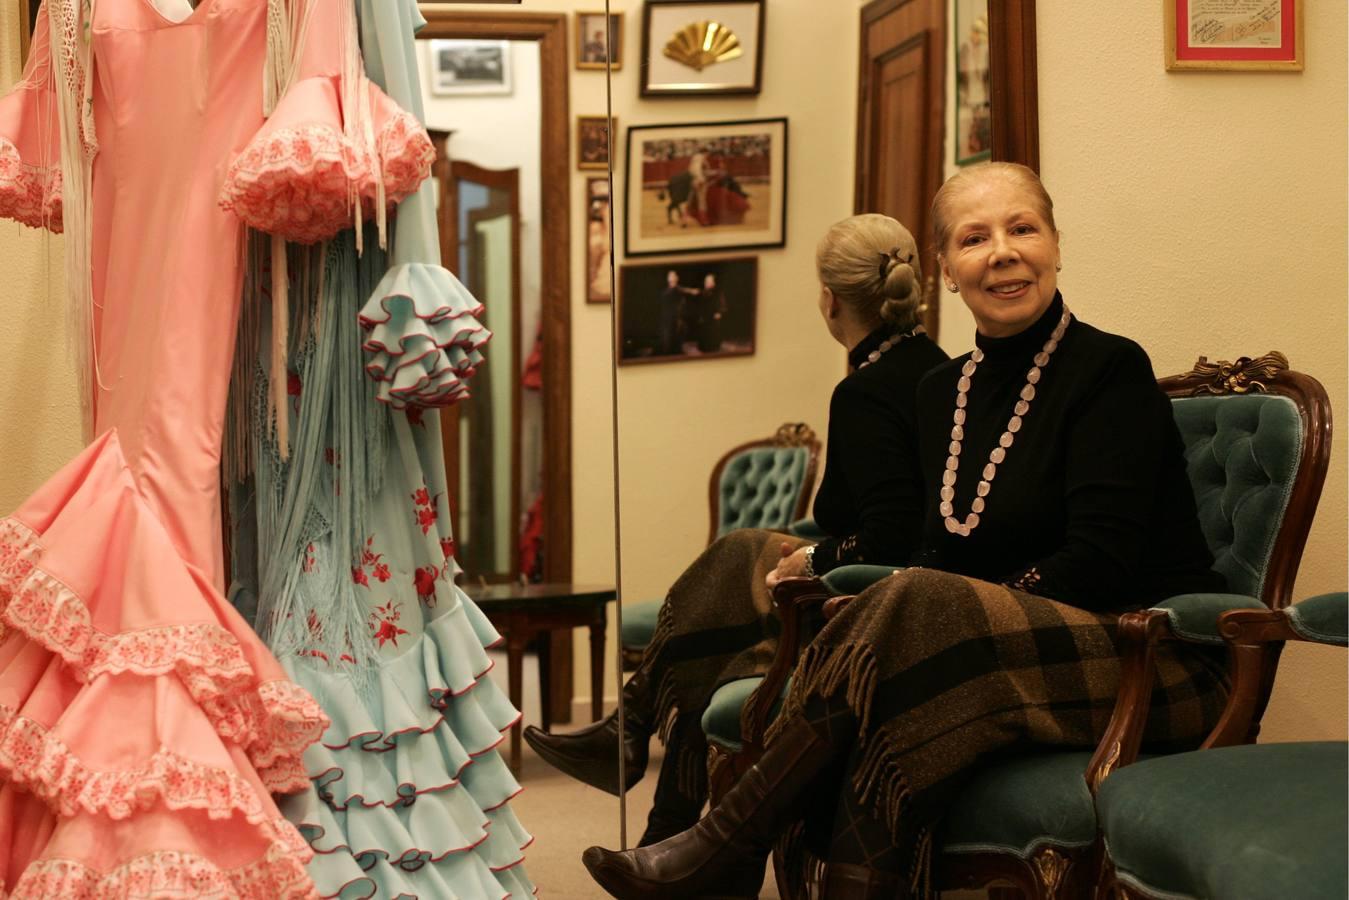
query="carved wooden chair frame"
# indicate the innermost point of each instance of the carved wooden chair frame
(1049, 871)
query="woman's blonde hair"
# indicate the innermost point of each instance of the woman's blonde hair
(1023, 176)
(870, 263)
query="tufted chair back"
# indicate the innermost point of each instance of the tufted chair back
(1257, 442)
(765, 483)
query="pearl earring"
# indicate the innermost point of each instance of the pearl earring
(953, 287)
(1058, 267)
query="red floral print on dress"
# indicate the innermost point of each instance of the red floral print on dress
(358, 575)
(425, 512)
(414, 414)
(384, 623)
(424, 580)
(310, 564)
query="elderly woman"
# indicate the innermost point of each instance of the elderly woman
(1057, 498)
(717, 622)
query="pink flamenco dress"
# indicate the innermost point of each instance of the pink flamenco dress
(143, 724)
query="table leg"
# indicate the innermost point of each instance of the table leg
(597, 629)
(515, 656)
(545, 682)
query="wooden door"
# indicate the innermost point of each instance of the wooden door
(901, 117)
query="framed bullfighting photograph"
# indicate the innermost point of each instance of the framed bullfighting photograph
(704, 187)
(673, 311)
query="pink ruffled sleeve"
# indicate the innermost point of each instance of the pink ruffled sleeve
(303, 173)
(30, 154)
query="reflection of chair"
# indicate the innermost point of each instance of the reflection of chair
(1249, 821)
(1257, 442)
(761, 484)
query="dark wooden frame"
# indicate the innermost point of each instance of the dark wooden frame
(615, 39)
(644, 63)
(582, 164)
(1049, 871)
(868, 150)
(710, 261)
(1014, 106)
(550, 30)
(630, 164)
(28, 12)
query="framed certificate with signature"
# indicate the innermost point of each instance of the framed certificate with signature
(1234, 34)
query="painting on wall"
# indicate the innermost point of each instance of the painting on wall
(591, 49)
(599, 288)
(673, 311)
(705, 186)
(469, 67)
(974, 124)
(702, 47)
(1204, 35)
(592, 141)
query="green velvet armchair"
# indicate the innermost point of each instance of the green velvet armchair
(1246, 822)
(1257, 439)
(760, 484)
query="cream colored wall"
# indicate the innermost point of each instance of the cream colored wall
(1206, 214)
(38, 397)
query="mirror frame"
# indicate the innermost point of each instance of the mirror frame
(549, 31)
(1015, 107)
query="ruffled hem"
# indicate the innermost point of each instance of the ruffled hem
(424, 336)
(172, 873)
(304, 181)
(29, 194)
(275, 721)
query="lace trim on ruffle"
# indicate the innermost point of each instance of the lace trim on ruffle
(300, 182)
(279, 875)
(276, 720)
(33, 756)
(29, 194)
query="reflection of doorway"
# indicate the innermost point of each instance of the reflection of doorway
(901, 120)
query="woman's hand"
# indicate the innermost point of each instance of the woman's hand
(792, 565)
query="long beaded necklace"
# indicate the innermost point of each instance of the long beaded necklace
(999, 453)
(893, 340)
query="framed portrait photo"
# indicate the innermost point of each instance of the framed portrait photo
(591, 49)
(702, 47)
(973, 123)
(1208, 35)
(592, 141)
(469, 67)
(686, 310)
(707, 186)
(599, 289)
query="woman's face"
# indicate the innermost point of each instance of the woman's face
(1001, 254)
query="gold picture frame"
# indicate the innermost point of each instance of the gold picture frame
(591, 54)
(1219, 35)
(592, 145)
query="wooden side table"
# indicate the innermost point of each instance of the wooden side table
(521, 612)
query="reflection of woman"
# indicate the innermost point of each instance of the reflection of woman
(1054, 473)
(972, 85)
(717, 622)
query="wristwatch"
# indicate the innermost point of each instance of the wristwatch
(810, 560)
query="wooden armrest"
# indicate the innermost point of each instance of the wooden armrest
(1139, 633)
(792, 597)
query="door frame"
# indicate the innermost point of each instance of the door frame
(549, 30)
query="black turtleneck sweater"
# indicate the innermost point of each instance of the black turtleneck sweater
(871, 500)
(1092, 505)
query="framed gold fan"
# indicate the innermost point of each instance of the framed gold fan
(702, 47)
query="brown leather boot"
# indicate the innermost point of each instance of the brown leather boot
(591, 754)
(724, 855)
(850, 882)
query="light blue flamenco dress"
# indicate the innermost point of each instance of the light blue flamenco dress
(343, 555)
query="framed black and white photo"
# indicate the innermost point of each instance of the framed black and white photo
(469, 67)
(685, 310)
(706, 186)
(702, 47)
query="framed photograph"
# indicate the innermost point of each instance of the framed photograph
(470, 67)
(599, 289)
(684, 310)
(974, 126)
(702, 47)
(592, 141)
(590, 42)
(1204, 35)
(705, 186)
